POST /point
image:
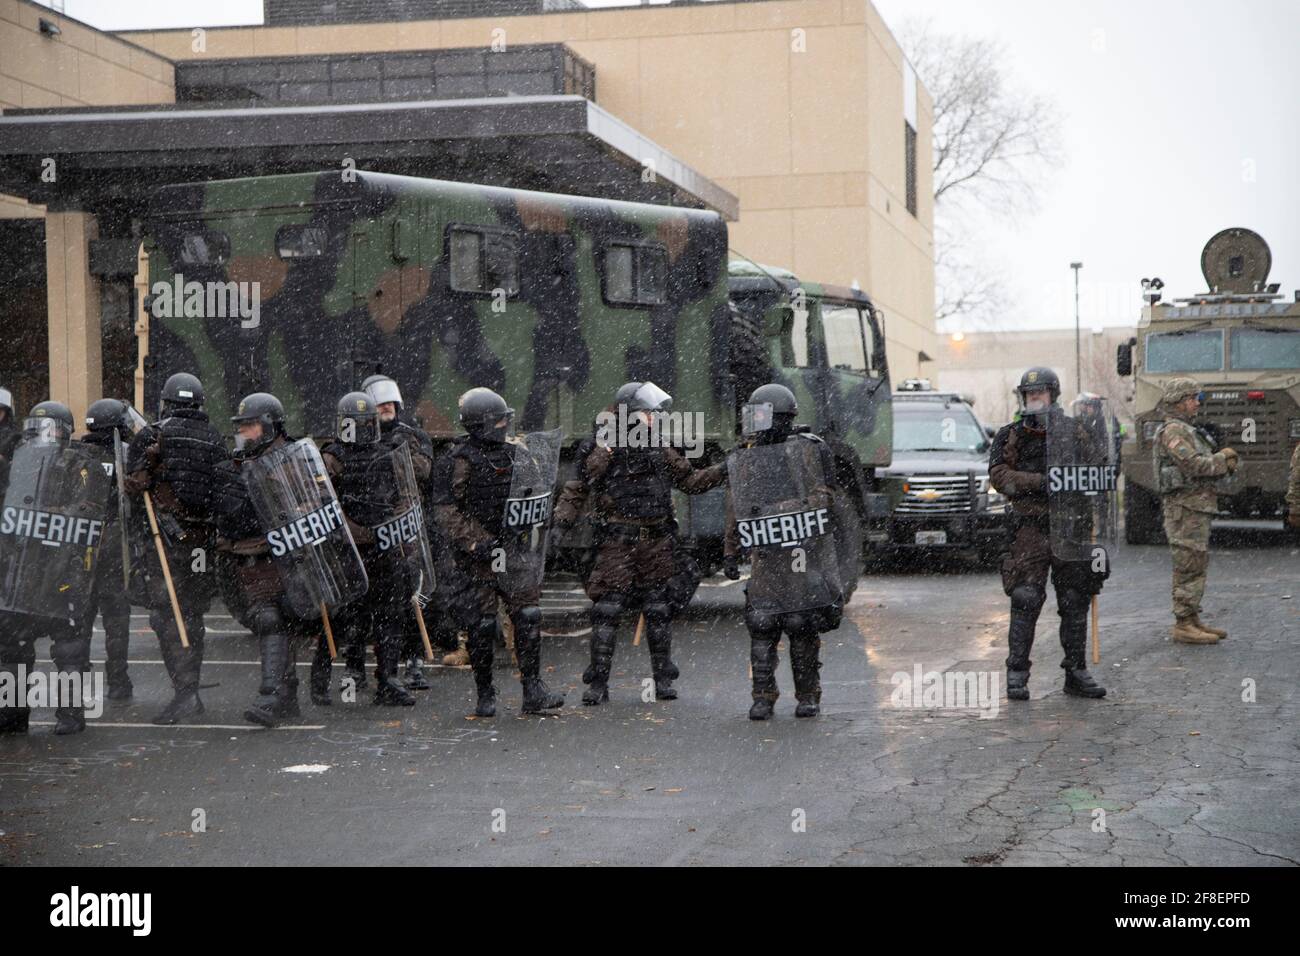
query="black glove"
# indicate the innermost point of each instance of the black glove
(730, 569)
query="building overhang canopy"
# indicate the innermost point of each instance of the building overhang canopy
(567, 144)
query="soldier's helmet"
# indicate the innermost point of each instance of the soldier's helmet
(358, 419)
(108, 414)
(49, 422)
(260, 407)
(481, 411)
(643, 397)
(382, 389)
(1177, 389)
(1040, 377)
(181, 390)
(771, 408)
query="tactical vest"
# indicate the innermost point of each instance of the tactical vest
(236, 518)
(491, 467)
(101, 446)
(189, 450)
(1169, 477)
(367, 488)
(638, 484)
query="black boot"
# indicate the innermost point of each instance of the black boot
(528, 648)
(480, 646)
(265, 710)
(596, 676)
(762, 661)
(69, 720)
(287, 696)
(1020, 639)
(415, 679)
(805, 661)
(354, 656)
(659, 638)
(321, 677)
(117, 639)
(1074, 641)
(388, 689)
(185, 666)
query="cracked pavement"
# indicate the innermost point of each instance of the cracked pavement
(1172, 768)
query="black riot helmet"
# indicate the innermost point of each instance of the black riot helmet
(481, 411)
(49, 423)
(260, 407)
(1037, 378)
(358, 419)
(769, 414)
(182, 390)
(109, 414)
(643, 397)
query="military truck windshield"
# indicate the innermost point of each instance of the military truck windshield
(845, 346)
(935, 426)
(1265, 348)
(1185, 351)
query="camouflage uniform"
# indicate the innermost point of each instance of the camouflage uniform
(1293, 491)
(1186, 468)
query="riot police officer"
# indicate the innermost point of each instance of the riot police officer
(784, 472)
(10, 433)
(629, 487)
(49, 591)
(361, 464)
(105, 419)
(470, 503)
(387, 397)
(1018, 469)
(174, 461)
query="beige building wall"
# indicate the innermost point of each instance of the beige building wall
(80, 67)
(988, 366)
(795, 107)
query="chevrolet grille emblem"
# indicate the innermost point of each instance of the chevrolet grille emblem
(929, 494)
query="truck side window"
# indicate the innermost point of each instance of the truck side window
(483, 260)
(635, 274)
(207, 248)
(845, 348)
(300, 242)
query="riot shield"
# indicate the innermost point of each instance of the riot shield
(1082, 478)
(52, 529)
(404, 532)
(785, 516)
(848, 541)
(305, 528)
(526, 522)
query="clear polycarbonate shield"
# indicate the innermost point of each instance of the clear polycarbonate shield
(404, 533)
(650, 396)
(785, 517)
(1082, 480)
(123, 508)
(51, 530)
(305, 528)
(526, 523)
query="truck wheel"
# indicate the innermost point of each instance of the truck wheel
(750, 364)
(1142, 523)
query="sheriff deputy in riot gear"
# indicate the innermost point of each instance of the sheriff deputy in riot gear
(629, 491)
(10, 433)
(359, 464)
(469, 502)
(1018, 469)
(770, 422)
(174, 460)
(387, 397)
(51, 423)
(1187, 466)
(104, 419)
(259, 428)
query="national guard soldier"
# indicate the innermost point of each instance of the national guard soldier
(494, 508)
(629, 485)
(111, 424)
(1018, 469)
(51, 533)
(173, 461)
(294, 558)
(373, 474)
(781, 509)
(387, 397)
(1293, 491)
(1187, 468)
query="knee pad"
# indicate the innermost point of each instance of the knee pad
(795, 624)
(1071, 602)
(607, 610)
(266, 620)
(1027, 597)
(761, 622)
(657, 611)
(529, 615)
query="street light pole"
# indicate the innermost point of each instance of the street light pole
(1078, 364)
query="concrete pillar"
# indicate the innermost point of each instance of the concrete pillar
(73, 299)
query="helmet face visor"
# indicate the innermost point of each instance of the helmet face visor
(755, 418)
(6, 399)
(358, 429)
(135, 422)
(652, 398)
(45, 431)
(384, 390)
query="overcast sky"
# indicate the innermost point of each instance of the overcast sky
(1179, 118)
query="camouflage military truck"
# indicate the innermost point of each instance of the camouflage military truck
(1242, 343)
(305, 284)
